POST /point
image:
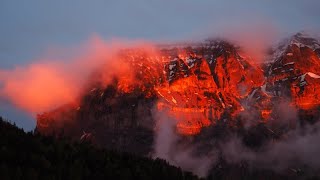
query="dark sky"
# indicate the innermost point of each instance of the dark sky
(28, 28)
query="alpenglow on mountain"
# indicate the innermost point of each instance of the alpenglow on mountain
(199, 86)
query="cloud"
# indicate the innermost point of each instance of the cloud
(297, 149)
(60, 77)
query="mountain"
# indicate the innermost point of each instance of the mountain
(201, 86)
(212, 91)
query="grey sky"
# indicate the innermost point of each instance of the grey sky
(28, 28)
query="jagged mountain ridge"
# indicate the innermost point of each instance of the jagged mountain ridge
(197, 85)
(291, 76)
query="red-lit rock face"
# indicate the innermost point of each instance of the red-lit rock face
(196, 89)
(295, 73)
(199, 86)
(201, 89)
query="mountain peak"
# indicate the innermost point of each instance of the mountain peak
(303, 39)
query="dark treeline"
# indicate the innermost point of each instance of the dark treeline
(32, 156)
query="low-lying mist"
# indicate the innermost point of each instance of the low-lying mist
(294, 151)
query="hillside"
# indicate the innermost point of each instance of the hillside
(31, 156)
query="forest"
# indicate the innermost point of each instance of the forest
(31, 156)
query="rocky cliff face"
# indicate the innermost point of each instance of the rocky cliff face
(291, 78)
(199, 85)
(295, 70)
(208, 83)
